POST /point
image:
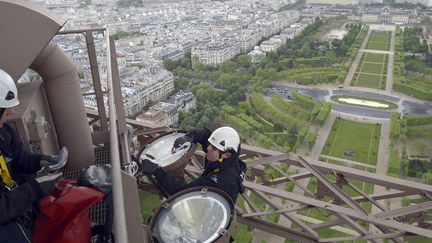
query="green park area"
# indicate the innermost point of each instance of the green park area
(371, 72)
(412, 75)
(411, 146)
(379, 41)
(353, 141)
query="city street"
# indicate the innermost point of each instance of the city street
(405, 106)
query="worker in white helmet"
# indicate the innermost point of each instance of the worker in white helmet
(19, 191)
(223, 168)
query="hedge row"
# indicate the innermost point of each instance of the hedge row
(319, 109)
(308, 70)
(229, 109)
(395, 127)
(323, 113)
(418, 120)
(310, 139)
(255, 124)
(303, 100)
(240, 125)
(409, 89)
(419, 132)
(302, 134)
(262, 107)
(288, 107)
(316, 108)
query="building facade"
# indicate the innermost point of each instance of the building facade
(386, 15)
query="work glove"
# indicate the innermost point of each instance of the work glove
(48, 182)
(53, 163)
(147, 167)
(188, 138)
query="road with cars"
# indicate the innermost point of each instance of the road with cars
(405, 106)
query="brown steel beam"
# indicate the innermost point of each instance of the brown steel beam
(381, 180)
(365, 237)
(422, 207)
(268, 160)
(79, 31)
(383, 195)
(119, 104)
(278, 230)
(357, 227)
(297, 177)
(378, 205)
(88, 34)
(339, 209)
(282, 210)
(250, 202)
(292, 180)
(290, 216)
(150, 131)
(327, 224)
(332, 187)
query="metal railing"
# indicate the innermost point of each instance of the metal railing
(118, 195)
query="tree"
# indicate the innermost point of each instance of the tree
(244, 106)
(426, 20)
(180, 83)
(169, 64)
(228, 66)
(244, 60)
(186, 62)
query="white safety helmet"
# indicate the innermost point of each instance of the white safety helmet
(8, 91)
(225, 138)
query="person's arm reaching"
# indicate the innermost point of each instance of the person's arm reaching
(197, 135)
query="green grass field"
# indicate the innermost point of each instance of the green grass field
(361, 138)
(374, 45)
(369, 80)
(376, 68)
(371, 71)
(373, 57)
(379, 41)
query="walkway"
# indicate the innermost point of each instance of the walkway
(349, 163)
(378, 51)
(356, 61)
(389, 83)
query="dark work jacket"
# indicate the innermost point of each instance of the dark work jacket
(13, 203)
(226, 175)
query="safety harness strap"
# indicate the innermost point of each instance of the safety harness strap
(4, 172)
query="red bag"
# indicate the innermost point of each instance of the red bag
(64, 214)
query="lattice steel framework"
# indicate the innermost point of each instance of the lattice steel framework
(348, 214)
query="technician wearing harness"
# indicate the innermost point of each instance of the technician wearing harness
(19, 191)
(223, 168)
